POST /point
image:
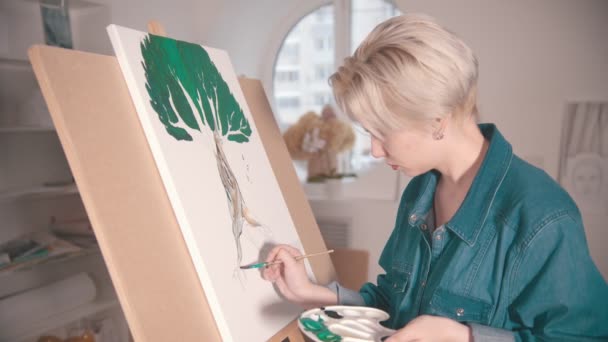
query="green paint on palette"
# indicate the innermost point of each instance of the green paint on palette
(312, 325)
(320, 330)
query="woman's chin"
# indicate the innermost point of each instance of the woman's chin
(407, 172)
(411, 173)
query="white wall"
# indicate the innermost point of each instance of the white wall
(371, 222)
(183, 19)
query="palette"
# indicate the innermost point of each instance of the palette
(344, 324)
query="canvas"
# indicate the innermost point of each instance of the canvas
(216, 173)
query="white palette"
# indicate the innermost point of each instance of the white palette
(344, 324)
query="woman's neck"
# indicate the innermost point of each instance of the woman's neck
(463, 156)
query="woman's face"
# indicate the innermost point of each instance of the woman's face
(411, 151)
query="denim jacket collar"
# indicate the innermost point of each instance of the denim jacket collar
(470, 217)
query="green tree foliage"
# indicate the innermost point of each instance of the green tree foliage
(185, 85)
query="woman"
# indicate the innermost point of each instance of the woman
(485, 246)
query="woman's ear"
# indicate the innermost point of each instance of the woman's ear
(441, 125)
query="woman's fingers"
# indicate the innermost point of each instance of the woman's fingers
(287, 274)
(270, 273)
(273, 253)
(275, 250)
(284, 289)
(286, 257)
(292, 250)
(284, 253)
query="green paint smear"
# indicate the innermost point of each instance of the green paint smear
(258, 265)
(179, 74)
(319, 329)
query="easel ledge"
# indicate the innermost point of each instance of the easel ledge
(125, 199)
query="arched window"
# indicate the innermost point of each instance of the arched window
(304, 63)
(311, 52)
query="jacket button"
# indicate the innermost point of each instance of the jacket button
(413, 217)
(459, 312)
(423, 226)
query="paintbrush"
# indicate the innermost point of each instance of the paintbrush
(270, 263)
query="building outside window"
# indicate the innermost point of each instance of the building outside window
(309, 55)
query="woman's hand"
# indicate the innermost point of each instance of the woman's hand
(432, 328)
(292, 280)
(290, 276)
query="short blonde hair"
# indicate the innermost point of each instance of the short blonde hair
(407, 70)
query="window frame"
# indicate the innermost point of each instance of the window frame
(342, 49)
(342, 30)
(342, 40)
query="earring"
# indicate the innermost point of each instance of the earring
(437, 135)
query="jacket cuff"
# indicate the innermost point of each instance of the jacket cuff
(346, 296)
(484, 333)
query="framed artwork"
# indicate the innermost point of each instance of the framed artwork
(56, 23)
(584, 155)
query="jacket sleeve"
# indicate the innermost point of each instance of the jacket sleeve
(345, 295)
(557, 293)
(376, 295)
(484, 333)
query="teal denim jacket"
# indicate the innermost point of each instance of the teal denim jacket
(513, 257)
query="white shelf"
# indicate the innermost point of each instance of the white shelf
(106, 300)
(15, 64)
(26, 129)
(19, 101)
(38, 192)
(51, 261)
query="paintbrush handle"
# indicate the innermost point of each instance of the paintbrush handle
(300, 257)
(314, 254)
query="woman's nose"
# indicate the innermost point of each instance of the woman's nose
(377, 148)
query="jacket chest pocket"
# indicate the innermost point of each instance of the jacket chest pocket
(400, 277)
(460, 308)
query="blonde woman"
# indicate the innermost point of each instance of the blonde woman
(485, 247)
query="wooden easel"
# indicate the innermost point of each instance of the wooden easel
(125, 199)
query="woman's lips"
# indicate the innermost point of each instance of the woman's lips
(395, 167)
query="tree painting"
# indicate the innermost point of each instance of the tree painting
(193, 101)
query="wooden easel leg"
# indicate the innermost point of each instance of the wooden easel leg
(291, 333)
